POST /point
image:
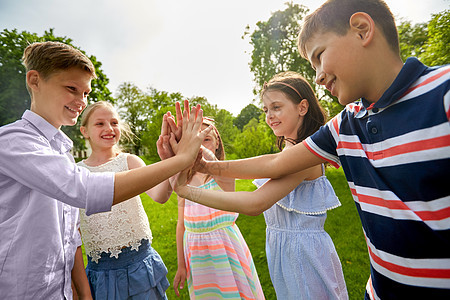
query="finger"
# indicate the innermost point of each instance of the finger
(172, 125)
(199, 121)
(164, 125)
(186, 108)
(179, 114)
(175, 286)
(173, 142)
(199, 107)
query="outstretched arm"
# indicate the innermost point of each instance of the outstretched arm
(136, 181)
(249, 203)
(227, 184)
(292, 160)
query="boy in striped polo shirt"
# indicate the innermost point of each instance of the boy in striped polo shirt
(393, 144)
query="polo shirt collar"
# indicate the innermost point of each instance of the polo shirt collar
(411, 71)
(63, 142)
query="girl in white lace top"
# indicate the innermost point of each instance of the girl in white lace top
(121, 262)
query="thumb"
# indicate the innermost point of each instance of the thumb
(173, 142)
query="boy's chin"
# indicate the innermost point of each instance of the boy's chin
(70, 122)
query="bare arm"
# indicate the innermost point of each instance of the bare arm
(226, 183)
(181, 275)
(159, 193)
(249, 203)
(79, 278)
(136, 181)
(294, 159)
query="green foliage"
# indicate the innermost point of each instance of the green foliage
(247, 113)
(14, 97)
(437, 48)
(412, 38)
(275, 50)
(255, 139)
(135, 108)
(228, 132)
(275, 45)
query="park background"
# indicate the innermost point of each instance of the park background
(271, 49)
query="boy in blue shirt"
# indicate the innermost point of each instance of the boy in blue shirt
(394, 146)
(41, 187)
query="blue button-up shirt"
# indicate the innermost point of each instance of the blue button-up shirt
(41, 189)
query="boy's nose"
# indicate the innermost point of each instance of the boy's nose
(320, 77)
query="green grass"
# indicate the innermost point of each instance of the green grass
(342, 224)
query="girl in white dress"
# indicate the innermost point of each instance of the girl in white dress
(121, 261)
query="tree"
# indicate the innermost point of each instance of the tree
(437, 48)
(135, 108)
(411, 38)
(247, 113)
(224, 122)
(14, 97)
(255, 139)
(275, 50)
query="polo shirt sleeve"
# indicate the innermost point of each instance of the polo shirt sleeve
(28, 159)
(324, 142)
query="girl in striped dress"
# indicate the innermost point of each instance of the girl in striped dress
(212, 253)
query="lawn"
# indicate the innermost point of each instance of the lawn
(342, 224)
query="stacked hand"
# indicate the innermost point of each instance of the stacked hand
(182, 136)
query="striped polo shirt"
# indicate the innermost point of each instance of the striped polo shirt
(396, 157)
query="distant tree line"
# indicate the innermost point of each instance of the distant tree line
(246, 135)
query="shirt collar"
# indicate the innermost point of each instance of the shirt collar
(63, 142)
(410, 72)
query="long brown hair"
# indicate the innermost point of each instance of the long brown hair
(296, 88)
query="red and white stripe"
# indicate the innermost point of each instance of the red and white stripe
(426, 272)
(435, 213)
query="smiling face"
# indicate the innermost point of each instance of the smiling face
(282, 115)
(61, 97)
(339, 65)
(102, 129)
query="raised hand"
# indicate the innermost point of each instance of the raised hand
(191, 137)
(162, 144)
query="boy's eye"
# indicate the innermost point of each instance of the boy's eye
(73, 89)
(99, 124)
(319, 55)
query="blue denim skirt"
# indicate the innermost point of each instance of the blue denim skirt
(134, 275)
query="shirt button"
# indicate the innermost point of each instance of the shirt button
(374, 130)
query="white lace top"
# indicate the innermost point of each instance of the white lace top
(124, 226)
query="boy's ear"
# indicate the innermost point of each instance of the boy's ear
(33, 79)
(303, 107)
(362, 25)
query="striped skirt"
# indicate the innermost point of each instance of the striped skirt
(218, 261)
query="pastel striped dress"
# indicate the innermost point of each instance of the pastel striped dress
(218, 261)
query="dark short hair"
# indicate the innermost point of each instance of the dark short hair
(334, 16)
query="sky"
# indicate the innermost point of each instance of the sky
(194, 47)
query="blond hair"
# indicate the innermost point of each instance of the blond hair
(125, 130)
